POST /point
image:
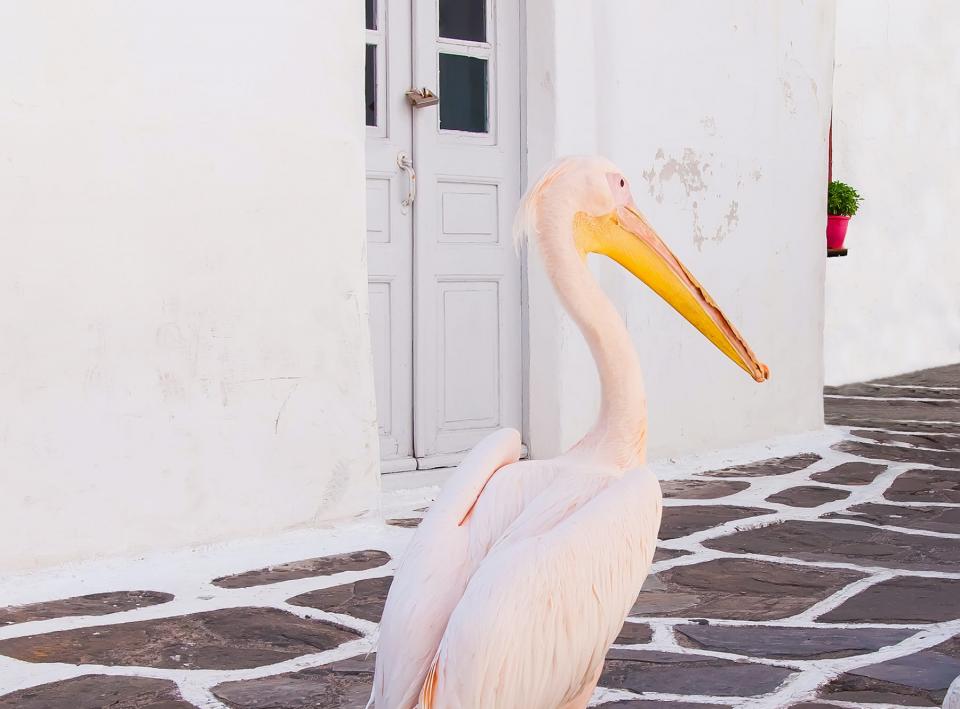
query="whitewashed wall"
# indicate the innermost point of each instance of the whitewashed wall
(718, 112)
(893, 304)
(185, 352)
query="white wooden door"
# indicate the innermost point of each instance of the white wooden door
(444, 278)
(390, 226)
(467, 356)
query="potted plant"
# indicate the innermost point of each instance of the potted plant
(842, 203)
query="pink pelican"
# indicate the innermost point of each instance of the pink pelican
(521, 574)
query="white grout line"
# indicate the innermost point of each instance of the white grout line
(663, 637)
(196, 678)
(923, 422)
(199, 695)
(271, 595)
(905, 503)
(789, 622)
(861, 397)
(904, 433)
(366, 628)
(898, 444)
(857, 705)
(840, 597)
(913, 386)
(890, 527)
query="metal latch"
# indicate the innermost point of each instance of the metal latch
(406, 164)
(421, 98)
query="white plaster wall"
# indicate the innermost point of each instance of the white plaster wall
(185, 352)
(893, 304)
(718, 112)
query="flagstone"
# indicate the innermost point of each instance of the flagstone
(361, 599)
(897, 409)
(788, 643)
(855, 473)
(771, 466)
(931, 519)
(99, 692)
(305, 568)
(91, 604)
(701, 489)
(738, 589)
(224, 639)
(922, 440)
(891, 392)
(687, 519)
(945, 376)
(808, 496)
(919, 679)
(925, 486)
(634, 634)
(340, 685)
(675, 673)
(937, 427)
(900, 454)
(839, 542)
(903, 599)
(662, 554)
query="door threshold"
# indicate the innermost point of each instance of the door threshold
(440, 460)
(398, 465)
(430, 462)
(412, 479)
(403, 465)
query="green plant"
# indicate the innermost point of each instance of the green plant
(842, 199)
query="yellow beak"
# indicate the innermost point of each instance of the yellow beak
(626, 237)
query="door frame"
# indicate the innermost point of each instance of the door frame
(446, 460)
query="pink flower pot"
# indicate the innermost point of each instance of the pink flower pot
(836, 230)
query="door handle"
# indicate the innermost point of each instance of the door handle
(406, 164)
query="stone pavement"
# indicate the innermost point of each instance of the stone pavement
(816, 571)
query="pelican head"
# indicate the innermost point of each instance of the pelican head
(583, 205)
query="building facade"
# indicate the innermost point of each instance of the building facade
(894, 304)
(244, 271)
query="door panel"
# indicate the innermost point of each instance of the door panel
(469, 333)
(381, 319)
(468, 213)
(390, 227)
(467, 362)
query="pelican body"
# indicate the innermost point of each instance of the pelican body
(521, 574)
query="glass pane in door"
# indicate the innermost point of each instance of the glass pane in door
(463, 19)
(463, 93)
(370, 90)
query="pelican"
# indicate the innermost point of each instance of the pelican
(952, 698)
(521, 574)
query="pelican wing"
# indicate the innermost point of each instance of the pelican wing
(432, 575)
(540, 612)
